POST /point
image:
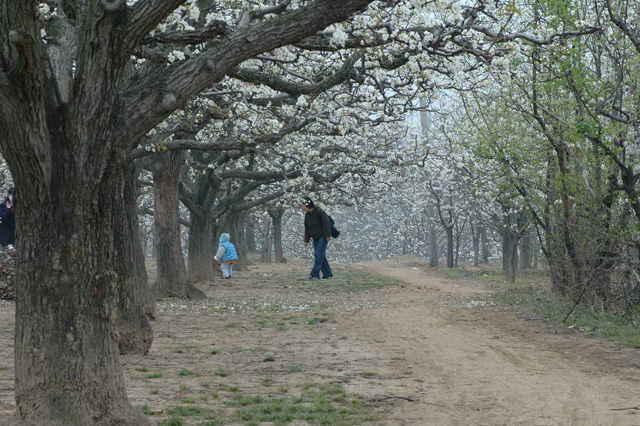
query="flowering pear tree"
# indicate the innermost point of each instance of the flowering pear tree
(72, 110)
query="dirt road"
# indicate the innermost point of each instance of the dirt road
(432, 351)
(484, 366)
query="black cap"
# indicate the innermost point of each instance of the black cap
(308, 202)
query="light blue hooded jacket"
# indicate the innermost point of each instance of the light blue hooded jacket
(230, 254)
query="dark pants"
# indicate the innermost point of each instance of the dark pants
(321, 263)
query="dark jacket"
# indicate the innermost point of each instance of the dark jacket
(8, 228)
(316, 224)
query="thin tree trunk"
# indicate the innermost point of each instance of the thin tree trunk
(265, 257)
(276, 219)
(525, 252)
(433, 238)
(449, 230)
(486, 253)
(475, 235)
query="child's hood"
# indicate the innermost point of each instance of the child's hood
(225, 238)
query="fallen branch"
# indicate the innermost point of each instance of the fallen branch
(386, 398)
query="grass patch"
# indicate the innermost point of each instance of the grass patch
(318, 320)
(350, 279)
(186, 410)
(320, 404)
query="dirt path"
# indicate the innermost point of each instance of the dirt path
(428, 352)
(489, 367)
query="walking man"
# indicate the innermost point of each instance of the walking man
(317, 227)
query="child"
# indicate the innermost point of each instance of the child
(226, 255)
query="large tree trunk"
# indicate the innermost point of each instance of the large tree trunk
(66, 348)
(135, 300)
(172, 278)
(69, 121)
(201, 202)
(201, 248)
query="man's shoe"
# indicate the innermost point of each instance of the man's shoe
(312, 278)
(326, 278)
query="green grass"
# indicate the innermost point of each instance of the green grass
(320, 404)
(350, 279)
(186, 410)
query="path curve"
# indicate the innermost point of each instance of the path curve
(465, 365)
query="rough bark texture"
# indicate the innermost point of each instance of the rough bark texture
(202, 237)
(135, 301)
(67, 354)
(66, 128)
(433, 238)
(172, 278)
(265, 256)
(276, 218)
(201, 248)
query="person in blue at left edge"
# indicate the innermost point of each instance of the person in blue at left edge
(8, 229)
(317, 226)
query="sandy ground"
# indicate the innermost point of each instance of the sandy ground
(431, 351)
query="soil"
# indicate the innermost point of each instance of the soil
(427, 351)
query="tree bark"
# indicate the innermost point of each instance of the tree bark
(484, 238)
(449, 231)
(66, 353)
(433, 238)
(526, 252)
(135, 300)
(265, 256)
(68, 123)
(276, 219)
(201, 248)
(172, 278)
(510, 249)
